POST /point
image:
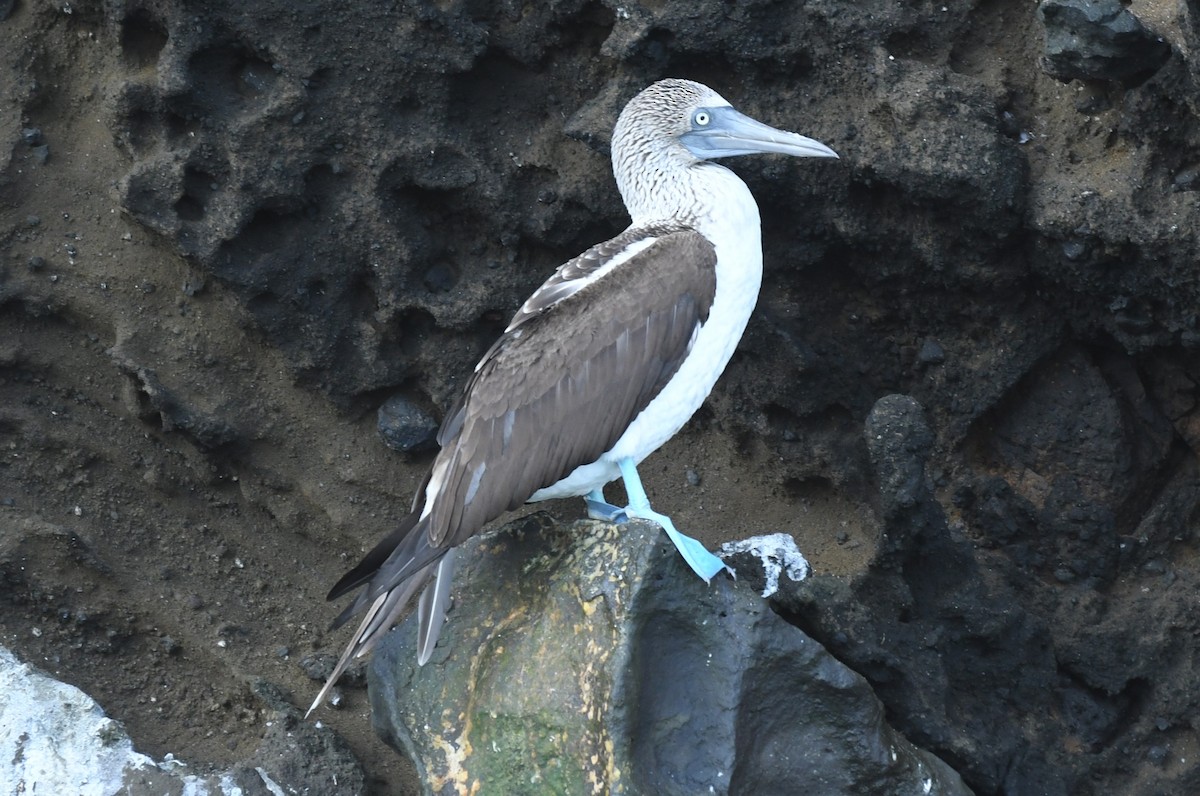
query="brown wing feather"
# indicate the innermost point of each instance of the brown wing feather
(572, 385)
(571, 275)
(554, 392)
(566, 280)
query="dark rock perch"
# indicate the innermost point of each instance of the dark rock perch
(557, 675)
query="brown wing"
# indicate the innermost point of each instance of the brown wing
(574, 274)
(567, 280)
(555, 391)
(560, 387)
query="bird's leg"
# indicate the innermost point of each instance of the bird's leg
(600, 509)
(702, 562)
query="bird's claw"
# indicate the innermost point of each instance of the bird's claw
(600, 510)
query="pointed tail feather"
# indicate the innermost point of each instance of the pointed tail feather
(380, 616)
(389, 564)
(390, 575)
(431, 610)
(364, 570)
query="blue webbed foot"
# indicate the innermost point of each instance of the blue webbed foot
(702, 562)
(599, 509)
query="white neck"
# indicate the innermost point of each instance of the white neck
(662, 182)
(713, 201)
(721, 209)
(673, 186)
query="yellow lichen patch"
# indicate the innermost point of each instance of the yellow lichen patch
(455, 756)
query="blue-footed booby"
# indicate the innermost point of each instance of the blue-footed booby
(603, 364)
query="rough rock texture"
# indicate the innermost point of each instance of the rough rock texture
(1053, 607)
(584, 659)
(56, 739)
(230, 232)
(1099, 40)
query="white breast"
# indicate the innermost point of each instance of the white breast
(734, 229)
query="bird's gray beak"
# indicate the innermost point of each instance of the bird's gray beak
(729, 133)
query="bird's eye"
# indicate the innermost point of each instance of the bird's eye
(701, 118)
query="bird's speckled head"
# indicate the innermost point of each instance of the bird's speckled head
(666, 108)
(673, 126)
(659, 116)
